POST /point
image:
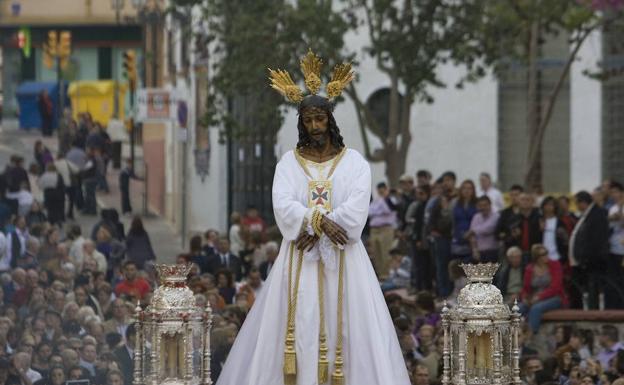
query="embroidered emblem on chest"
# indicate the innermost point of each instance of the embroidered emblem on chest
(319, 194)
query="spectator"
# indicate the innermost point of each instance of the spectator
(225, 260)
(55, 377)
(36, 216)
(124, 355)
(488, 189)
(124, 186)
(400, 271)
(421, 375)
(407, 195)
(119, 322)
(567, 217)
(609, 340)
(90, 252)
(67, 171)
(528, 231)
(616, 246)
(225, 284)
(422, 269)
(211, 238)
(46, 111)
(448, 181)
(196, 254)
(588, 252)
(114, 377)
(138, 244)
(543, 287)
(507, 228)
(382, 222)
(89, 175)
(252, 221)
(76, 250)
(423, 178)
(510, 279)
(554, 233)
(132, 286)
(236, 239)
(439, 227)
(482, 233)
(88, 354)
(16, 176)
(272, 251)
(464, 210)
(23, 200)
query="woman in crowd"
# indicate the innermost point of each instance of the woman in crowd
(554, 232)
(225, 283)
(53, 187)
(543, 287)
(138, 244)
(465, 208)
(42, 155)
(56, 377)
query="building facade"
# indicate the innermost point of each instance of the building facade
(100, 35)
(479, 128)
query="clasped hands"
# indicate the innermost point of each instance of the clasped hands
(334, 232)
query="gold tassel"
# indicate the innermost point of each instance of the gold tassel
(290, 356)
(338, 375)
(323, 362)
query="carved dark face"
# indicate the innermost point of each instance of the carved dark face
(316, 122)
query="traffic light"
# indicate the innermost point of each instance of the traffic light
(64, 49)
(50, 49)
(21, 40)
(129, 64)
(52, 43)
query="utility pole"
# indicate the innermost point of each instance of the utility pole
(56, 53)
(130, 73)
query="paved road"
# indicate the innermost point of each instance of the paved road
(164, 241)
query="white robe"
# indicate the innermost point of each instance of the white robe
(371, 351)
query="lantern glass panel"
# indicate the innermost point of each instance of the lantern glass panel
(172, 353)
(479, 354)
(197, 335)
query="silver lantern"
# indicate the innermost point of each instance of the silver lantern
(172, 334)
(481, 333)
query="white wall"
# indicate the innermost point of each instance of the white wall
(586, 118)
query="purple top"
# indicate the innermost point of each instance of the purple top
(380, 214)
(485, 230)
(607, 354)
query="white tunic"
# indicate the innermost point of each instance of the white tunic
(371, 351)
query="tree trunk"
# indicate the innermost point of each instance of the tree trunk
(533, 176)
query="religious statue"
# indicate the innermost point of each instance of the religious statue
(321, 317)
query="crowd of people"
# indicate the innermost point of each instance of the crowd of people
(554, 252)
(67, 293)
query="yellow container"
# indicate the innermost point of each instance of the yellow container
(97, 98)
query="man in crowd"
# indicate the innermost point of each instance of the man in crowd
(382, 218)
(616, 245)
(610, 342)
(488, 189)
(589, 250)
(223, 259)
(132, 286)
(507, 223)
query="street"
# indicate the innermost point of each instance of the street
(165, 243)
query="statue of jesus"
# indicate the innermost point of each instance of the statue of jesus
(321, 317)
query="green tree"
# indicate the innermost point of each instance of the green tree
(249, 36)
(408, 40)
(502, 33)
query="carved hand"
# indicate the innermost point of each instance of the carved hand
(334, 231)
(305, 241)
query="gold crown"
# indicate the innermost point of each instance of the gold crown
(282, 82)
(480, 272)
(173, 273)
